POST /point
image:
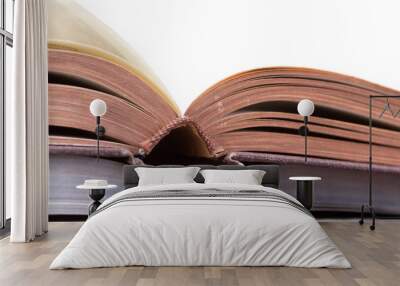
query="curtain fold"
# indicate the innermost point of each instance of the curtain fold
(27, 122)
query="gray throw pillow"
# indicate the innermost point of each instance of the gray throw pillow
(163, 176)
(247, 177)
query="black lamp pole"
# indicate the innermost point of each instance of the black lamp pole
(98, 136)
(305, 137)
(305, 108)
(98, 108)
(100, 131)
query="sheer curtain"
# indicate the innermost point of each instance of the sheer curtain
(27, 123)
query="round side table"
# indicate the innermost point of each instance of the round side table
(305, 190)
(96, 193)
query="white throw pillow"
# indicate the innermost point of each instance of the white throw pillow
(165, 176)
(247, 177)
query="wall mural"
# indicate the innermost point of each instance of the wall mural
(250, 117)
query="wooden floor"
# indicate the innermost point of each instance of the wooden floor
(375, 257)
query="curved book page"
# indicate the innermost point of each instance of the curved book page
(256, 111)
(72, 27)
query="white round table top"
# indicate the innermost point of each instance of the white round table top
(305, 178)
(87, 187)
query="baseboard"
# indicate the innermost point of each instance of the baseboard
(67, 217)
(349, 214)
(316, 214)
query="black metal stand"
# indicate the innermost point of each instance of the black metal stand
(305, 193)
(369, 208)
(96, 195)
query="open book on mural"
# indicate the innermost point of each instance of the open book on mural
(249, 117)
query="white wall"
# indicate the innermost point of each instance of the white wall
(192, 44)
(9, 72)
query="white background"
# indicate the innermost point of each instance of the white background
(192, 44)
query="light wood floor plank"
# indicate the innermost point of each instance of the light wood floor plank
(375, 257)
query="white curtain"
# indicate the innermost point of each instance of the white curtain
(27, 123)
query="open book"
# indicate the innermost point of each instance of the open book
(250, 116)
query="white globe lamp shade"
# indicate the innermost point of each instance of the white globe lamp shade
(98, 107)
(305, 107)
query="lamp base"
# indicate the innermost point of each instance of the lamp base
(368, 209)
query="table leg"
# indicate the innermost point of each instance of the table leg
(96, 195)
(305, 193)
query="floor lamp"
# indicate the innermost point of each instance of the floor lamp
(98, 108)
(305, 108)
